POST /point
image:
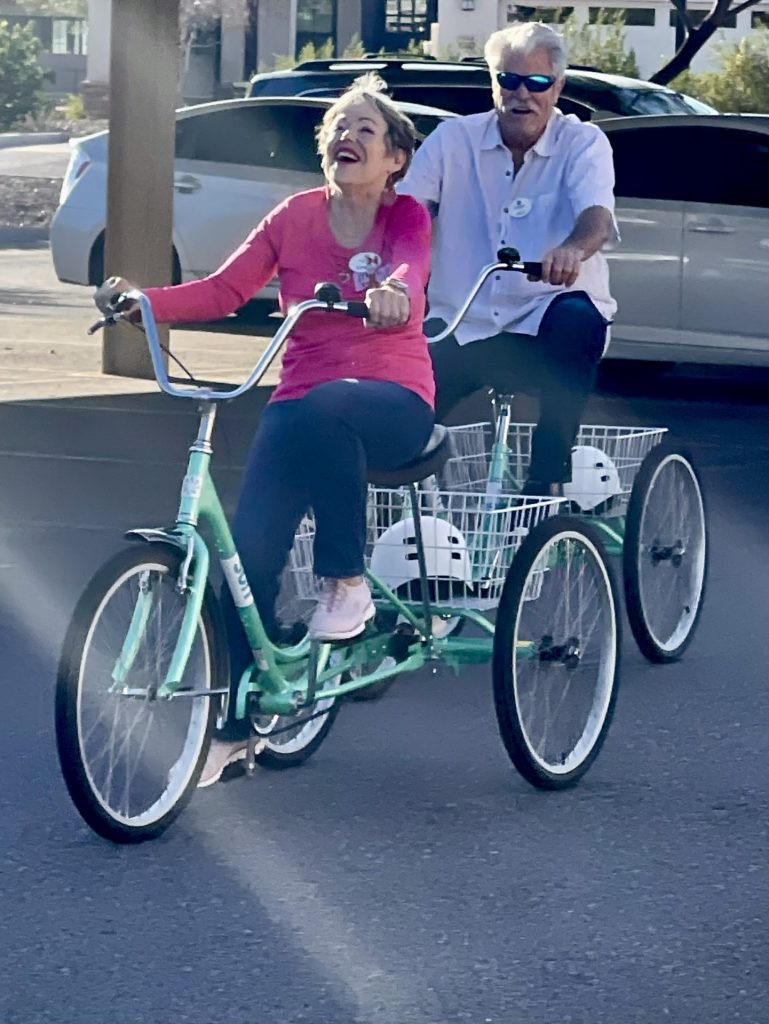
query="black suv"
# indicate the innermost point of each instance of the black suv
(463, 87)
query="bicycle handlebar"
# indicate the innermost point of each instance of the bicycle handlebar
(327, 298)
(508, 259)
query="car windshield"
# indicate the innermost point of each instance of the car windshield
(653, 101)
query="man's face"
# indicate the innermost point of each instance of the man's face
(523, 115)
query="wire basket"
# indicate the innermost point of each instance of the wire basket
(625, 448)
(469, 539)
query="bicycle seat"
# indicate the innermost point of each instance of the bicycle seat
(430, 460)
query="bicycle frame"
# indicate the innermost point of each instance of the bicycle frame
(284, 679)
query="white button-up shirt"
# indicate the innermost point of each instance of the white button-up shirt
(465, 169)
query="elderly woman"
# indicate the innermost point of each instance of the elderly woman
(350, 398)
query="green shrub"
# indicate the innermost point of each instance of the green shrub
(601, 45)
(740, 82)
(74, 108)
(21, 77)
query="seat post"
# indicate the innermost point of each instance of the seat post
(426, 606)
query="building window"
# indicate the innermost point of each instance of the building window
(407, 16)
(548, 15)
(631, 15)
(315, 17)
(69, 36)
(759, 19)
(697, 17)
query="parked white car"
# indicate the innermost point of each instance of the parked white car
(691, 275)
(235, 161)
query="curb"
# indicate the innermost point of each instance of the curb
(12, 238)
(10, 139)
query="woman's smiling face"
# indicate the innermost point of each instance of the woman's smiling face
(357, 152)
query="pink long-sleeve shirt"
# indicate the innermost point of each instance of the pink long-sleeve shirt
(295, 241)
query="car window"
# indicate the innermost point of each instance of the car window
(708, 164)
(462, 99)
(268, 136)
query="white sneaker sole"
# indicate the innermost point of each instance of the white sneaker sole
(368, 614)
(238, 755)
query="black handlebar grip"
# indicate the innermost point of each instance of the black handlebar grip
(359, 309)
(532, 269)
(508, 255)
(327, 292)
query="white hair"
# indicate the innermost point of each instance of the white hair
(524, 37)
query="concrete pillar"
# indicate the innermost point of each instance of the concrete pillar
(143, 77)
(276, 31)
(234, 23)
(348, 23)
(95, 87)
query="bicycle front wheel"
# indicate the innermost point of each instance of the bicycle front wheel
(665, 555)
(131, 761)
(556, 653)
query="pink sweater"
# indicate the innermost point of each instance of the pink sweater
(295, 241)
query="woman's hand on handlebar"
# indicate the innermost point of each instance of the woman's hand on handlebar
(389, 305)
(561, 265)
(108, 298)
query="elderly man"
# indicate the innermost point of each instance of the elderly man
(522, 175)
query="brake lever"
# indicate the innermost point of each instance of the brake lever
(108, 321)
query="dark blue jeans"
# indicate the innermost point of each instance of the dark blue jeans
(315, 452)
(559, 364)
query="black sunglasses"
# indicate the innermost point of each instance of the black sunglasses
(534, 83)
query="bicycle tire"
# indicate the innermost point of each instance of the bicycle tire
(544, 650)
(658, 553)
(91, 647)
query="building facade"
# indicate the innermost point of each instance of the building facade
(64, 46)
(219, 55)
(463, 25)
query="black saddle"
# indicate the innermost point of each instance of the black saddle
(430, 460)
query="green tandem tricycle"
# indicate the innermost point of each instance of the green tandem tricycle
(464, 570)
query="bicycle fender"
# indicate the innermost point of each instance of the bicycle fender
(158, 535)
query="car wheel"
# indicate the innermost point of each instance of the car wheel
(96, 264)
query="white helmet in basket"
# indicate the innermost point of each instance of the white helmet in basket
(394, 558)
(594, 478)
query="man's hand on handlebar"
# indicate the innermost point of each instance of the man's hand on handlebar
(389, 305)
(109, 298)
(561, 265)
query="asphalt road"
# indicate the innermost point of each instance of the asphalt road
(406, 874)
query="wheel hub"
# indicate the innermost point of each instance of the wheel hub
(568, 653)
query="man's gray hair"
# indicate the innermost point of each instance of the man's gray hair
(523, 38)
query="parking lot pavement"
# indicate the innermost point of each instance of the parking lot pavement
(45, 351)
(45, 161)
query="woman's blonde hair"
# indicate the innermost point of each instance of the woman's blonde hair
(400, 133)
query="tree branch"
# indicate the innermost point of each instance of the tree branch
(743, 7)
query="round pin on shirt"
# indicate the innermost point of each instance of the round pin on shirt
(519, 207)
(365, 262)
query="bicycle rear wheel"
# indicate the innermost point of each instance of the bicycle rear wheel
(130, 761)
(665, 555)
(556, 653)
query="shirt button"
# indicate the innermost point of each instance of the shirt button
(497, 277)
(508, 173)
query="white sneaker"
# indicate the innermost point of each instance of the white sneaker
(342, 610)
(221, 754)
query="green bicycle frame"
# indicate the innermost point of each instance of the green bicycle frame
(280, 675)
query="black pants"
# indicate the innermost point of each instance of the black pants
(314, 452)
(559, 364)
